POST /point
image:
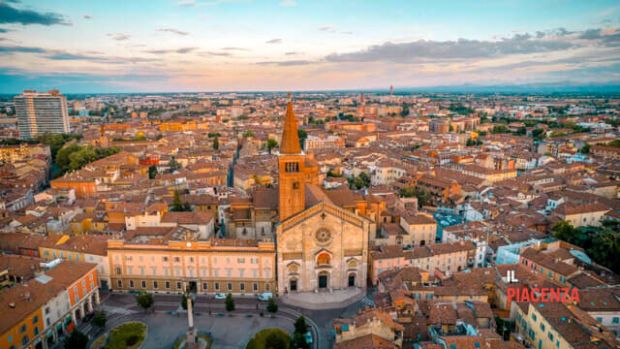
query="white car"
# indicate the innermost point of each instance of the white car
(220, 296)
(265, 296)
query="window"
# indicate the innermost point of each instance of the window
(217, 286)
(542, 327)
(242, 287)
(36, 331)
(118, 270)
(599, 319)
(167, 284)
(550, 335)
(205, 286)
(47, 310)
(155, 285)
(534, 316)
(23, 328)
(178, 285)
(165, 259)
(229, 286)
(35, 319)
(240, 260)
(25, 340)
(255, 287)
(143, 284)
(615, 320)
(119, 283)
(131, 283)
(177, 259)
(295, 185)
(291, 167)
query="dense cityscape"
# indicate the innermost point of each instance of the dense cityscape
(420, 217)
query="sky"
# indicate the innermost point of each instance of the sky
(253, 45)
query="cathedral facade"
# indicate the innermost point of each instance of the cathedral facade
(320, 246)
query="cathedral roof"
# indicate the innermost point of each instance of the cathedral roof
(290, 138)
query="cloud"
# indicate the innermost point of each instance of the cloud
(286, 63)
(327, 28)
(20, 49)
(96, 57)
(291, 53)
(288, 3)
(119, 36)
(9, 14)
(173, 31)
(87, 17)
(234, 49)
(429, 51)
(181, 50)
(274, 41)
(221, 54)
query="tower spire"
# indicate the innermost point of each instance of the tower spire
(290, 138)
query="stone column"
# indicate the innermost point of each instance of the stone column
(89, 303)
(74, 316)
(97, 299)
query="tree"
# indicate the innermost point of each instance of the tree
(145, 300)
(302, 134)
(271, 143)
(272, 306)
(300, 325)
(473, 142)
(585, 149)
(275, 340)
(77, 340)
(248, 134)
(539, 134)
(100, 319)
(184, 301)
(173, 165)
(152, 171)
(359, 182)
(230, 302)
(405, 111)
(216, 143)
(563, 230)
(178, 205)
(299, 338)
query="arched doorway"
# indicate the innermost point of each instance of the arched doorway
(351, 281)
(292, 284)
(323, 279)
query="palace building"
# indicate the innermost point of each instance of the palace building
(320, 245)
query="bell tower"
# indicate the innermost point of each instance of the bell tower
(290, 168)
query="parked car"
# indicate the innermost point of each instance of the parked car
(308, 337)
(265, 296)
(220, 296)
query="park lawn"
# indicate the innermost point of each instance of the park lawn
(258, 341)
(119, 337)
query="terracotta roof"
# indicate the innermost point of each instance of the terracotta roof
(29, 297)
(369, 341)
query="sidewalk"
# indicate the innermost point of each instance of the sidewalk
(324, 300)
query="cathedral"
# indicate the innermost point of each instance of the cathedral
(321, 245)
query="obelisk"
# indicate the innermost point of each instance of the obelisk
(190, 342)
